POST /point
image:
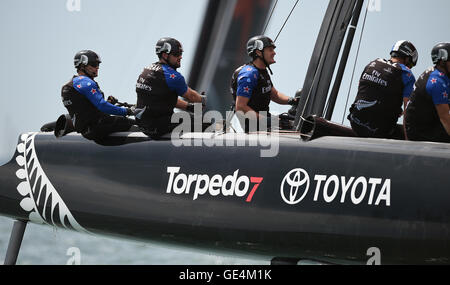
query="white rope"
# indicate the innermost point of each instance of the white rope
(295, 5)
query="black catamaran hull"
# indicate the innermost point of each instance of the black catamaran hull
(328, 199)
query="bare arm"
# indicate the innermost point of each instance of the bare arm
(443, 112)
(192, 96)
(242, 106)
(278, 97)
(181, 104)
(405, 104)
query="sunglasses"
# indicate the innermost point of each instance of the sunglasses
(94, 64)
(177, 53)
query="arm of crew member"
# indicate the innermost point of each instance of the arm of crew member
(278, 97)
(242, 106)
(181, 104)
(405, 104)
(94, 95)
(444, 115)
(192, 96)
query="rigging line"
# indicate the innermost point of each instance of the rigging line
(356, 60)
(270, 17)
(295, 5)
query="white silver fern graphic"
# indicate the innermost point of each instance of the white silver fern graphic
(362, 104)
(37, 190)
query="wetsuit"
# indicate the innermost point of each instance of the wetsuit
(89, 111)
(378, 104)
(158, 88)
(250, 82)
(422, 120)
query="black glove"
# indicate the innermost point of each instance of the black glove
(293, 101)
(112, 100)
(190, 107)
(204, 99)
(137, 112)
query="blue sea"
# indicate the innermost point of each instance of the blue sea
(44, 245)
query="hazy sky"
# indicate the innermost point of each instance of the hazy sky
(40, 38)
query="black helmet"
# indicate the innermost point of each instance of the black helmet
(169, 46)
(405, 49)
(258, 43)
(86, 57)
(440, 52)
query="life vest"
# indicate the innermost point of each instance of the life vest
(81, 110)
(153, 93)
(422, 120)
(260, 96)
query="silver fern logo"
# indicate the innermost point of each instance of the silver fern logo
(362, 104)
(40, 198)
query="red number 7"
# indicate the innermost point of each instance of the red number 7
(256, 180)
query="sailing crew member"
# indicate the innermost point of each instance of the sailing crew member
(91, 115)
(159, 87)
(427, 115)
(251, 86)
(383, 87)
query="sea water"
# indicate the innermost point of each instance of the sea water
(45, 245)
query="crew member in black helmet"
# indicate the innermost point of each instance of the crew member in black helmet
(383, 87)
(427, 115)
(159, 87)
(251, 86)
(88, 110)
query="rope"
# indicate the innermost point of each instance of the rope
(354, 66)
(295, 5)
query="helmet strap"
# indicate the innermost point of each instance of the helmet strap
(264, 61)
(83, 69)
(409, 62)
(166, 61)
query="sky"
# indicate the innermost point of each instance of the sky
(40, 38)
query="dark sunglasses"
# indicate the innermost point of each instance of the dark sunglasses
(177, 53)
(94, 64)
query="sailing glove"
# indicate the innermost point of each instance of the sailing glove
(204, 99)
(190, 107)
(137, 112)
(113, 100)
(293, 101)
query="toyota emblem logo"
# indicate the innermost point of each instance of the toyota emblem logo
(295, 186)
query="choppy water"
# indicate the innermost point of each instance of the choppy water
(44, 245)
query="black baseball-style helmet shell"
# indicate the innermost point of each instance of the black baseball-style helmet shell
(405, 49)
(169, 46)
(440, 52)
(86, 57)
(258, 43)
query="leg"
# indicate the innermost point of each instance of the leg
(106, 126)
(397, 133)
(156, 127)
